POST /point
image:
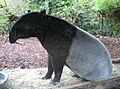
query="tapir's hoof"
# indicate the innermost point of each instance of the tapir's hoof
(53, 82)
(46, 77)
(76, 76)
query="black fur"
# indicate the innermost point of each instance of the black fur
(55, 34)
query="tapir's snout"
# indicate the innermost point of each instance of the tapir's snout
(12, 37)
(12, 41)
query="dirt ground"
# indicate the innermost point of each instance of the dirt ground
(29, 53)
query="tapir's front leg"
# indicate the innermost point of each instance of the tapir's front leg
(58, 64)
(50, 68)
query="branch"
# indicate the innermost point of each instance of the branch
(5, 3)
(74, 18)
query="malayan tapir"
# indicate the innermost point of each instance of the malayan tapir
(66, 44)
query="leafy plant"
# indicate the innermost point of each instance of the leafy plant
(95, 16)
(16, 7)
(103, 5)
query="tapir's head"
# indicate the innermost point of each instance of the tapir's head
(28, 25)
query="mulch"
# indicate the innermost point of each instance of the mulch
(29, 53)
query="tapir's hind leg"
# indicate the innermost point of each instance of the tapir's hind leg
(58, 64)
(50, 68)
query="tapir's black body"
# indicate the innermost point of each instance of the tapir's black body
(55, 34)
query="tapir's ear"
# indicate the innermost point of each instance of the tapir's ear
(43, 12)
(29, 11)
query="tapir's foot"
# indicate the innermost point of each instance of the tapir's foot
(85, 80)
(56, 79)
(46, 77)
(53, 82)
(76, 76)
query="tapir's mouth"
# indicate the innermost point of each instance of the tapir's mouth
(12, 41)
(12, 37)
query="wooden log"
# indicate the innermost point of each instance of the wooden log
(109, 83)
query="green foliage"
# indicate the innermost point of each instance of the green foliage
(102, 5)
(88, 20)
(71, 11)
(8, 8)
(3, 19)
(112, 29)
(83, 13)
(64, 9)
(110, 10)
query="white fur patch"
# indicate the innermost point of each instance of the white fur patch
(88, 57)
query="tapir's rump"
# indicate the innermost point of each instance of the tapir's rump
(88, 57)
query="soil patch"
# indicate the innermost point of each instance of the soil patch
(29, 53)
